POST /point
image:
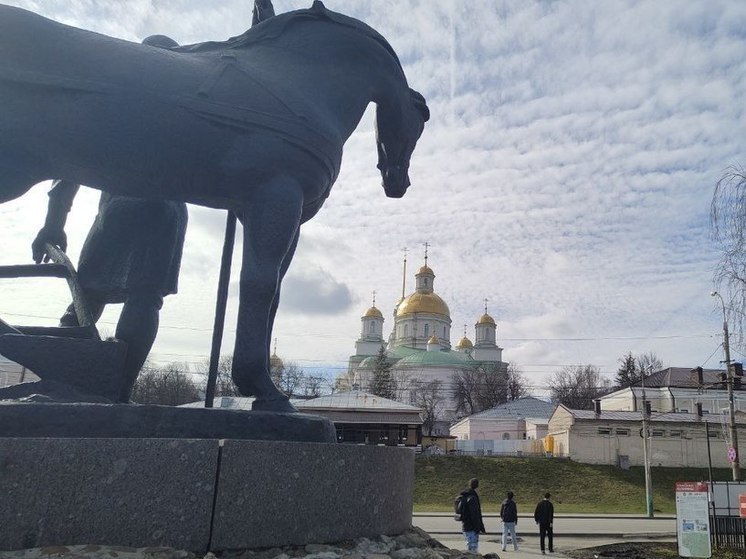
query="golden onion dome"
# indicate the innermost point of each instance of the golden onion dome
(486, 319)
(373, 312)
(464, 343)
(426, 270)
(275, 362)
(423, 303)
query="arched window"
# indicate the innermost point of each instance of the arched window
(406, 330)
(444, 332)
(427, 330)
(425, 284)
(372, 327)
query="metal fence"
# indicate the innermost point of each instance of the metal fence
(728, 532)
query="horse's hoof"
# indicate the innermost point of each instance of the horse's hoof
(277, 405)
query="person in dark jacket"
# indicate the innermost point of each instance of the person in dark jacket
(471, 520)
(509, 516)
(544, 516)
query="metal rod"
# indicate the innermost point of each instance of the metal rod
(646, 454)
(220, 306)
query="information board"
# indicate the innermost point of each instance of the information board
(693, 519)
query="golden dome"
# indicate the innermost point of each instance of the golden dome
(373, 312)
(423, 303)
(426, 270)
(464, 343)
(486, 319)
(275, 362)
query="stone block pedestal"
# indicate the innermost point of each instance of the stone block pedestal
(200, 494)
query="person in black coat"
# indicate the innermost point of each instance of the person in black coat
(544, 516)
(471, 519)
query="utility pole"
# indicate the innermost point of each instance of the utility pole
(646, 453)
(735, 462)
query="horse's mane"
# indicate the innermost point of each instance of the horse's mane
(275, 26)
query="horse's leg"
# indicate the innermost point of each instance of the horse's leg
(271, 219)
(276, 301)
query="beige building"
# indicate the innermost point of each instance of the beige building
(614, 437)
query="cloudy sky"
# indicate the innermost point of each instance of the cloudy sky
(565, 176)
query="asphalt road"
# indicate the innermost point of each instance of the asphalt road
(571, 532)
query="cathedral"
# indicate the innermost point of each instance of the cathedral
(419, 350)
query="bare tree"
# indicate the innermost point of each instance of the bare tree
(402, 385)
(427, 396)
(577, 386)
(486, 387)
(171, 385)
(224, 385)
(728, 226)
(312, 386)
(649, 363)
(465, 386)
(289, 378)
(517, 387)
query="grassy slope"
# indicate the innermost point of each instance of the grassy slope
(575, 487)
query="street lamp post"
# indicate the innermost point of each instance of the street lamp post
(646, 453)
(735, 464)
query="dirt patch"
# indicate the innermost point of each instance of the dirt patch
(632, 550)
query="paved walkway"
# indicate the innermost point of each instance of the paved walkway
(528, 547)
(574, 531)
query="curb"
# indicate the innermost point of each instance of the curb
(611, 535)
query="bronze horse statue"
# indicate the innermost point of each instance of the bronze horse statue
(254, 125)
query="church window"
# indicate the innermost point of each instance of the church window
(406, 330)
(425, 281)
(372, 327)
(444, 332)
(427, 330)
(506, 436)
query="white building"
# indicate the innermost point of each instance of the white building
(419, 349)
(677, 389)
(522, 419)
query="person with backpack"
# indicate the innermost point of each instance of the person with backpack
(544, 516)
(509, 516)
(469, 511)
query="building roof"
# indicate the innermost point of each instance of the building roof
(344, 416)
(373, 312)
(659, 417)
(679, 377)
(447, 358)
(353, 400)
(486, 319)
(521, 408)
(341, 401)
(423, 303)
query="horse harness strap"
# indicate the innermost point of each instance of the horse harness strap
(295, 129)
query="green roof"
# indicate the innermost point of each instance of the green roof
(422, 358)
(392, 356)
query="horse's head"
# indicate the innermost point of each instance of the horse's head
(397, 131)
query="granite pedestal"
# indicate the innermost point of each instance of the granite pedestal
(199, 495)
